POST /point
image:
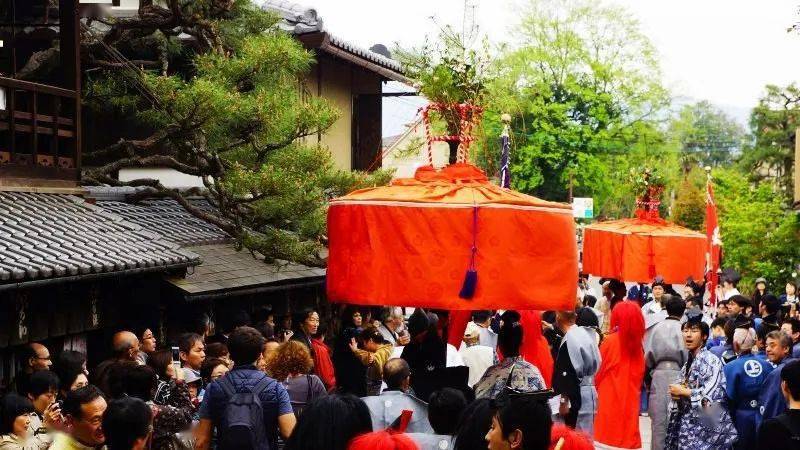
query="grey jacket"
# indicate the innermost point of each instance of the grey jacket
(433, 441)
(388, 406)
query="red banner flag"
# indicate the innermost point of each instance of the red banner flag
(714, 242)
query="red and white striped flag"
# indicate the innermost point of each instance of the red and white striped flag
(714, 242)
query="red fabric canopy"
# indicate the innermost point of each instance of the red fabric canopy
(639, 249)
(411, 244)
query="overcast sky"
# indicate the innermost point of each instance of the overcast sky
(724, 51)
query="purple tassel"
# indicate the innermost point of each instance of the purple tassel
(470, 283)
(471, 278)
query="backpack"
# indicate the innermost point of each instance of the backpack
(242, 426)
(298, 406)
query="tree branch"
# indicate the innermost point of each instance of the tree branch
(133, 147)
(148, 161)
(137, 62)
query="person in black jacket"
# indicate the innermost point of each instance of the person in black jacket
(426, 354)
(783, 432)
(351, 375)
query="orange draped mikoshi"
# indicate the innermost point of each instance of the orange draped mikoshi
(638, 249)
(619, 380)
(412, 243)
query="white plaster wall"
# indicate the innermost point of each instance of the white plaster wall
(170, 178)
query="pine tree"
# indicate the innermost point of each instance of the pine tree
(220, 86)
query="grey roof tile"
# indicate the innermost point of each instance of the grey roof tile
(298, 19)
(238, 269)
(167, 219)
(57, 235)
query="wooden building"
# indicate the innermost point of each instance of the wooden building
(78, 264)
(226, 279)
(70, 272)
(40, 132)
(351, 78)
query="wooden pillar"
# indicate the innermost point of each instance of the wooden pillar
(71, 64)
(797, 168)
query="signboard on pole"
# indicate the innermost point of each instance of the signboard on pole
(583, 207)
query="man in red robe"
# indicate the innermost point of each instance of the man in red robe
(619, 380)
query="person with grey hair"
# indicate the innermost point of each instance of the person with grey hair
(771, 400)
(391, 328)
(389, 405)
(745, 377)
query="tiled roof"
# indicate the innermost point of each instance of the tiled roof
(168, 218)
(224, 268)
(58, 235)
(298, 19)
(366, 54)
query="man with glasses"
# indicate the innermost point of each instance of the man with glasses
(33, 357)
(83, 414)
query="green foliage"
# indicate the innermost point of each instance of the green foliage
(238, 117)
(583, 87)
(643, 179)
(411, 149)
(689, 209)
(759, 232)
(706, 135)
(773, 123)
(449, 71)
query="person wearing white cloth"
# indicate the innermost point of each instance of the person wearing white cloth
(483, 319)
(653, 310)
(476, 357)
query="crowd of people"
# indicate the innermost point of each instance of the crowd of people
(709, 377)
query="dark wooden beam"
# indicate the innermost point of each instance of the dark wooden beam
(400, 94)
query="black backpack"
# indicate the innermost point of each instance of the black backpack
(242, 426)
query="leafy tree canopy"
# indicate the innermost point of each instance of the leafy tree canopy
(583, 87)
(759, 232)
(706, 135)
(222, 92)
(773, 124)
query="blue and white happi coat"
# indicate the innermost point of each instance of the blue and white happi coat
(701, 422)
